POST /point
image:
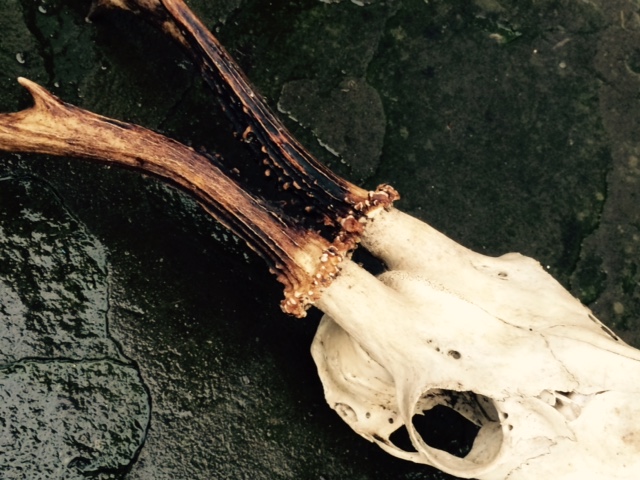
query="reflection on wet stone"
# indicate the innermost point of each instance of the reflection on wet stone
(53, 278)
(68, 420)
(70, 404)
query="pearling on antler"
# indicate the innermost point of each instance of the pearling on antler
(553, 392)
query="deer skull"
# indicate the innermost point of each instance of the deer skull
(553, 391)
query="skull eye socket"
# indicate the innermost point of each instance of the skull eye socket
(453, 431)
(441, 427)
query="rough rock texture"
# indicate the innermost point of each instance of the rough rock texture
(71, 405)
(510, 126)
(348, 120)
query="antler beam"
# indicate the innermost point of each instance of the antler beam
(302, 260)
(343, 202)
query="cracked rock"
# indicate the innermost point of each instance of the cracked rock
(71, 405)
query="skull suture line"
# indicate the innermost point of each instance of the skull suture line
(498, 340)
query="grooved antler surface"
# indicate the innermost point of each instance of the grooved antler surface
(342, 201)
(302, 260)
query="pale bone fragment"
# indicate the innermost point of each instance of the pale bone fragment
(555, 393)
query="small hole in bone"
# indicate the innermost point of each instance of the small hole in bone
(400, 438)
(346, 411)
(609, 332)
(380, 439)
(454, 354)
(391, 420)
(370, 263)
(570, 404)
(503, 274)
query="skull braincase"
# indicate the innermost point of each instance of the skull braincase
(554, 392)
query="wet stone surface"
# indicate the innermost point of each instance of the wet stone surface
(54, 279)
(70, 419)
(509, 126)
(71, 405)
(347, 120)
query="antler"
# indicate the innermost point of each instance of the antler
(343, 202)
(302, 260)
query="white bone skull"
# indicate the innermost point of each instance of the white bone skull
(555, 393)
